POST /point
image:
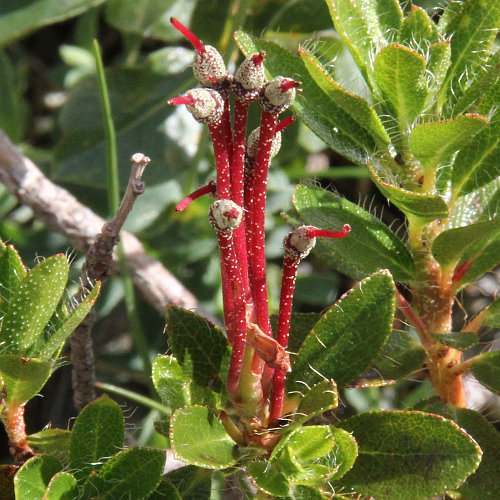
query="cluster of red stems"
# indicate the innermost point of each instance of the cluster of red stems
(256, 376)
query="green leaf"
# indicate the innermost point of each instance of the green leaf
(490, 316)
(408, 455)
(401, 356)
(55, 343)
(210, 446)
(98, 433)
(193, 483)
(348, 336)
(476, 164)
(133, 473)
(33, 477)
(171, 383)
(364, 26)
(269, 478)
(165, 490)
(320, 398)
(12, 272)
(370, 245)
(148, 18)
(62, 486)
(483, 484)
(302, 492)
(17, 19)
(138, 102)
(310, 442)
(400, 75)
(343, 454)
(22, 378)
(458, 340)
(425, 206)
(199, 347)
(418, 28)
(481, 87)
(51, 442)
(33, 303)
(472, 26)
(434, 143)
(486, 368)
(452, 244)
(369, 124)
(438, 62)
(323, 116)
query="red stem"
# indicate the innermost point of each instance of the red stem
(13, 419)
(226, 127)
(221, 161)
(285, 123)
(314, 232)
(209, 188)
(195, 41)
(290, 266)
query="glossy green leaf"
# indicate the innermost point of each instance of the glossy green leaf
(400, 75)
(401, 356)
(33, 477)
(369, 124)
(269, 478)
(370, 245)
(472, 26)
(193, 483)
(481, 87)
(199, 347)
(486, 368)
(437, 65)
(55, 343)
(33, 303)
(62, 486)
(349, 336)
(302, 492)
(425, 206)
(17, 19)
(51, 442)
(138, 102)
(434, 143)
(364, 26)
(323, 116)
(97, 434)
(148, 18)
(490, 316)
(418, 28)
(171, 382)
(458, 340)
(483, 484)
(133, 473)
(12, 272)
(210, 446)
(408, 455)
(22, 378)
(476, 164)
(451, 245)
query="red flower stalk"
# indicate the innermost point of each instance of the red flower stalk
(298, 244)
(225, 216)
(209, 188)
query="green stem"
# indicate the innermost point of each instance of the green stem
(133, 396)
(114, 201)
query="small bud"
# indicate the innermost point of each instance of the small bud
(208, 66)
(278, 94)
(206, 105)
(225, 215)
(253, 144)
(249, 78)
(299, 243)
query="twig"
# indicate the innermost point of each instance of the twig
(97, 267)
(63, 213)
